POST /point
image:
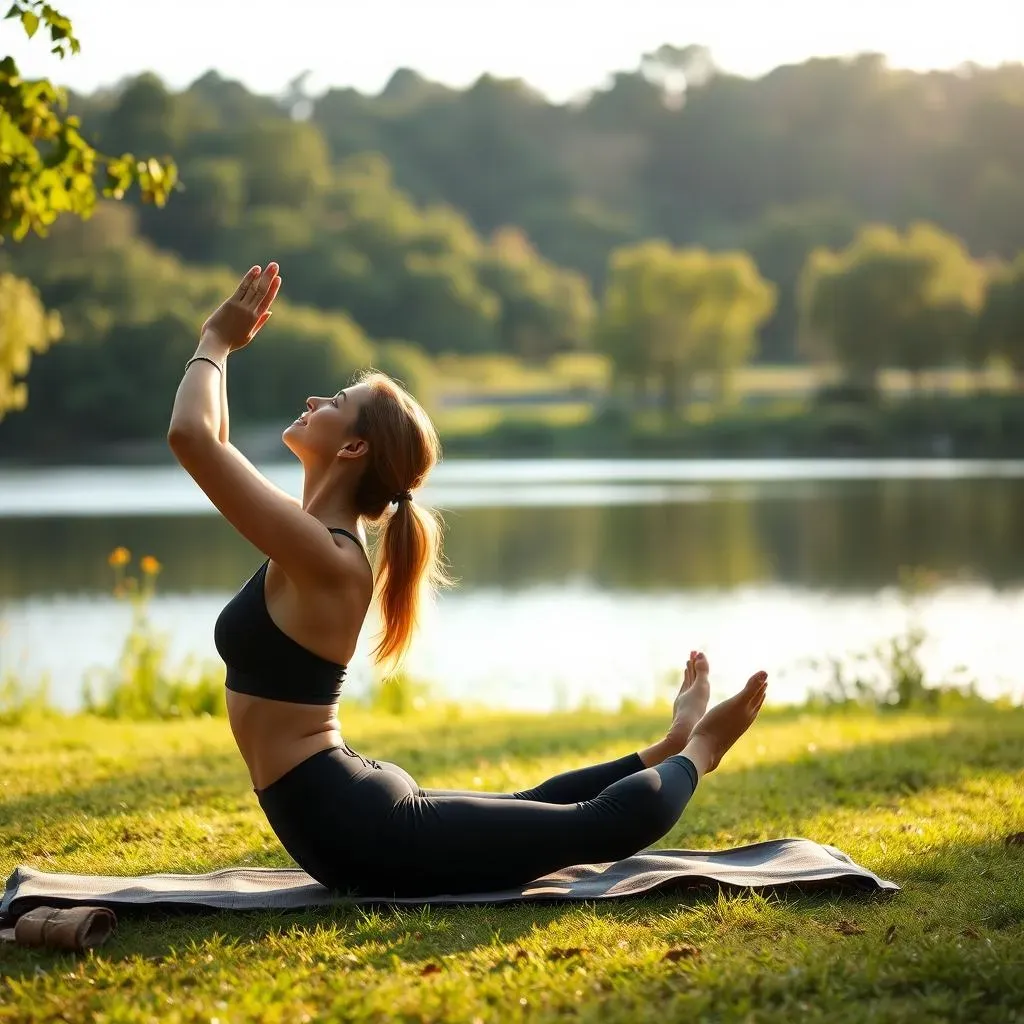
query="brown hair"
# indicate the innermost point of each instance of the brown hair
(403, 448)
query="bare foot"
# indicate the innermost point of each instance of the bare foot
(725, 723)
(692, 700)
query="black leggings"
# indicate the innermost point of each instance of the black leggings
(366, 827)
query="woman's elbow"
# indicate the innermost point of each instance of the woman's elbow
(178, 436)
(184, 439)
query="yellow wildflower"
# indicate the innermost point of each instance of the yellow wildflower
(149, 565)
(119, 557)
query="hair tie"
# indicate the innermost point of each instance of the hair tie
(402, 496)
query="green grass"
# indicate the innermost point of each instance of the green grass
(494, 375)
(477, 419)
(491, 376)
(926, 800)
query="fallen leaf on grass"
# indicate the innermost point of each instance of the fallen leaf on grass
(564, 954)
(430, 969)
(890, 934)
(510, 960)
(1015, 839)
(682, 953)
(849, 928)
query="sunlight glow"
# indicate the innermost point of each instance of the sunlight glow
(561, 47)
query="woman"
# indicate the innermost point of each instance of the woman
(352, 822)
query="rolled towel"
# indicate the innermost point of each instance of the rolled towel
(73, 929)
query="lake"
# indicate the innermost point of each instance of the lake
(577, 579)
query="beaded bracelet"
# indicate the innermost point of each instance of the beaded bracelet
(213, 362)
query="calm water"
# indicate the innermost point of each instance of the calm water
(576, 579)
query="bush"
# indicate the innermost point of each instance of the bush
(891, 674)
(398, 695)
(141, 686)
(19, 702)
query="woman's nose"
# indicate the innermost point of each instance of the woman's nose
(311, 404)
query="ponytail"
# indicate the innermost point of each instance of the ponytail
(409, 568)
(404, 447)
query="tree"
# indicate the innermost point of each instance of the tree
(25, 327)
(671, 314)
(890, 299)
(1000, 324)
(46, 166)
(676, 69)
(780, 242)
(286, 162)
(411, 367)
(544, 309)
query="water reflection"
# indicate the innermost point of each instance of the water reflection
(842, 535)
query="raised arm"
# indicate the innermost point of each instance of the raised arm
(271, 519)
(222, 434)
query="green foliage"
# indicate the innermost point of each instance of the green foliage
(545, 310)
(22, 702)
(891, 300)
(142, 686)
(780, 242)
(481, 223)
(132, 314)
(305, 351)
(999, 330)
(25, 327)
(892, 674)
(399, 695)
(672, 314)
(412, 368)
(46, 166)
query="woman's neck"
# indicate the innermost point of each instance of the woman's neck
(329, 496)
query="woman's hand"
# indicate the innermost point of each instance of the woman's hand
(236, 321)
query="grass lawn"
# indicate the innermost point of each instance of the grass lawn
(926, 800)
(476, 419)
(493, 376)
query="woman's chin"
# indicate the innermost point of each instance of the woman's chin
(290, 433)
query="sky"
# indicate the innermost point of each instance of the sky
(561, 47)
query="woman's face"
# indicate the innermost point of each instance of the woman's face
(328, 423)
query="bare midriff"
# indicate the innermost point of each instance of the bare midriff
(273, 736)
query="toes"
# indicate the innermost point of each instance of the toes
(756, 682)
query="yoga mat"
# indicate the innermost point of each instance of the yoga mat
(777, 864)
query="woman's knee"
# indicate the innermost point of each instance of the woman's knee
(646, 803)
(662, 809)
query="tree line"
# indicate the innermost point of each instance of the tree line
(681, 220)
(776, 166)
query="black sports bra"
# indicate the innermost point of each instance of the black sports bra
(265, 662)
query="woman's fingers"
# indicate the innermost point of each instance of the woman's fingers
(268, 297)
(255, 295)
(264, 317)
(247, 282)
